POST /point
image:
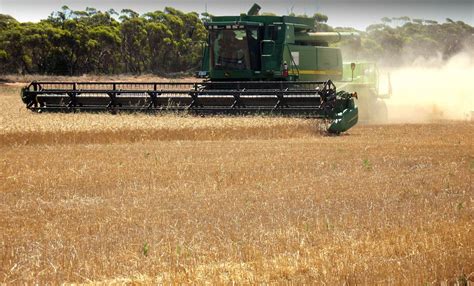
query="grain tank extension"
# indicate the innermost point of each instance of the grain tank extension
(251, 64)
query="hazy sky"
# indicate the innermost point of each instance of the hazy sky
(353, 13)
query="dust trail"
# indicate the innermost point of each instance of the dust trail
(432, 90)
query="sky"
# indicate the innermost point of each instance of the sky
(342, 13)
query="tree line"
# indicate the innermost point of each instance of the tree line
(161, 42)
(400, 40)
(78, 42)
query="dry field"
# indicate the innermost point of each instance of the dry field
(143, 199)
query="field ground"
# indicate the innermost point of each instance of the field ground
(136, 198)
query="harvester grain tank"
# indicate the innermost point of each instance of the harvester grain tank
(252, 64)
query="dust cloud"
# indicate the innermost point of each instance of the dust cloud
(432, 90)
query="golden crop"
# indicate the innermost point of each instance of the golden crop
(178, 199)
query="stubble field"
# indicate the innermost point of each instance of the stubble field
(174, 199)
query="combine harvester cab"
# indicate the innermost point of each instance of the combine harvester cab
(251, 64)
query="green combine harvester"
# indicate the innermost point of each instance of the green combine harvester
(252, 64)
(364, 78)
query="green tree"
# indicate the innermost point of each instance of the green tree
(133, 34)
(320, 18)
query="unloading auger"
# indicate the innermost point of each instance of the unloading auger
(251, 64)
